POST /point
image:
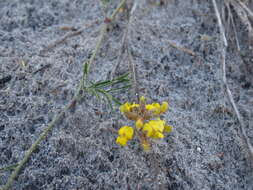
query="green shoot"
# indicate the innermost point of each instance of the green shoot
(106, 88)
(10, 167)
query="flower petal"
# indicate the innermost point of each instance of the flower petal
(154, 128)
(148, 129)
(158, 135)
(126, 132)
(139, 124)
(164, 107)
(121, 141)
(168, 129)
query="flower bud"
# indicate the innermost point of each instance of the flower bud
(139, 124)
(164, 107)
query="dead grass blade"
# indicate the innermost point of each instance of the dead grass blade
(242, 13)
(228, 91)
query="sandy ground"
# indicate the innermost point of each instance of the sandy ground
(203, 152)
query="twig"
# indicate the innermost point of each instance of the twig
(68, 28)
(65, 37)
(220, 24)
(115, 12)
(188, 51)
(5, 79)
(92, 58)
(124, 40)
(58, 117)
(42, 68)
(121, 52)
(242, 14)
(250, 13)
(101, 37)
(233, 26)
(134, 72)
(230, 97)
(132, 66)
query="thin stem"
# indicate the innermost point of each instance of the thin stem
(10, 167)
(41, 138)
(115, 12)
(101, 38)
(97, 47)
(58, 117)
(131, 63)
(228, 91)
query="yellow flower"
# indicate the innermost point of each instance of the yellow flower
(145, 146)
(142, 100)
(121, 140)
(139, 124)
(154, 128)
(127, 107)
(134, 105)
(168, 128)
(155, 108)
(164, 107)
(146, 129)
(125, 134)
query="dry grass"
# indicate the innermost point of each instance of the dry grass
(234, 14)
(244, 14)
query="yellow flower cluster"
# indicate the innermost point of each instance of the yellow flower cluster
(146, 127)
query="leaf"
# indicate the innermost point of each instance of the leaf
(86, 68)
(116, 101)
(99, 87)
(107, 83)
(120, 81)
(101, 84)
(85, 73)
(93, 91)
(118, 89)
(124, 76)
(10, 167)
(108, 97)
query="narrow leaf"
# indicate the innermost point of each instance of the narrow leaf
(116, 101)
(101, 84)
(108, 97)
(118, 89)
(93, 91)
(86, 68)
(124, 76)
(10, 167)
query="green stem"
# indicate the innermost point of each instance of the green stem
(100, 40)
(41, 137)
(58, 117)
(97, 47)
(115, 12)
(10, 167)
